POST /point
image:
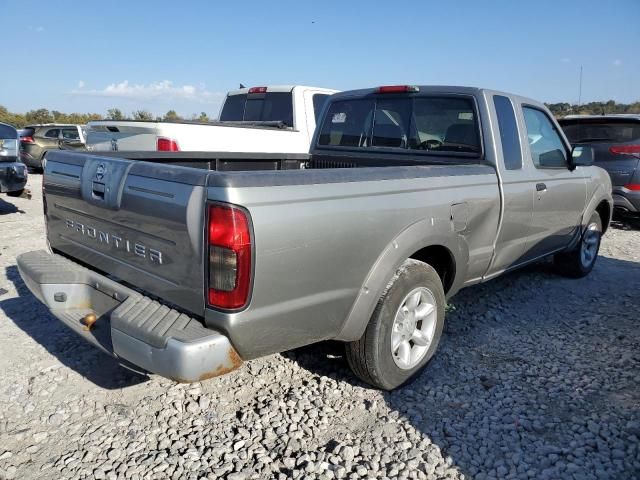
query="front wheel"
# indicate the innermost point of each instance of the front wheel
(16, 193)
(579, 261)
(404, 330)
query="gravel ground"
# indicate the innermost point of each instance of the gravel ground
(536, 377)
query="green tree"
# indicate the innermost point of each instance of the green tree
(203, 117)
(171, 116)
(115, 114)
(142, 115)
(42, 115)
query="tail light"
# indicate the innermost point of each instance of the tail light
(229, 257)
(26, 139)
(258, 90)
(167, 145)
(633, 186)
(397, 89)
(633, 150)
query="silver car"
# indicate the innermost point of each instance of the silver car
(13, 173)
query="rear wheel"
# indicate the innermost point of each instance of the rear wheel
(16, 193)
(404, 330)
(579, 262)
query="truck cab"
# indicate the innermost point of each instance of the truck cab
(270, 119)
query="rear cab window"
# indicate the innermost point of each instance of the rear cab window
(601, 130)
(435, 124)
(260, 107)
(319, 101)
(7, 132)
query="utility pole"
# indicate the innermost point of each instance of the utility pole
(580, 88)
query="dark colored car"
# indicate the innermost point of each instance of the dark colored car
(616, 144)
(13, 173)
(37, 140)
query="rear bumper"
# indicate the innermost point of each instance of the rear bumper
(625, 199)
(30, 160)
(13, 176)
(129, 326)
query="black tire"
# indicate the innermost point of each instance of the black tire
(573, 263)
(370, 357)
(16, 193)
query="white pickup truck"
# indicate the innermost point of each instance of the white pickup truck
(273, 119)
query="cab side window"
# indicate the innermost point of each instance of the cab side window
(511, 151)
(70, 134)
(53, 133)
(547, 148)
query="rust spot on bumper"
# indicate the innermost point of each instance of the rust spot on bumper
(234, 360)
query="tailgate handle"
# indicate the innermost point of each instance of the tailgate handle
(98, 190)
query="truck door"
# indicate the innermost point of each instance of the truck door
(517, 197)
(560, 194)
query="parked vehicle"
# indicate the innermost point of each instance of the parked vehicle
(37, 140)
(615, 140)
(259, 119)
(409, 194)
(13, 174)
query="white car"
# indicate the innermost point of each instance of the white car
(273, 119)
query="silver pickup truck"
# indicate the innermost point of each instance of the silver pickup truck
(186, 264)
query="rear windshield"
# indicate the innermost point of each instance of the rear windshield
(431, 124)
(26, 132)
(8, 132)
(264, 107)
(584, 131)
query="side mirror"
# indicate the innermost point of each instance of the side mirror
(581, 157)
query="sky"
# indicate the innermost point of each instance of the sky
(85, 56)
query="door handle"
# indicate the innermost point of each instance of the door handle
(541, 187)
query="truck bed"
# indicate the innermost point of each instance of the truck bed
(143, 223)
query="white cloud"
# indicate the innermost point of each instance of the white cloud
(39, 29)
(164, 89)
(80, 83)
(617, 62)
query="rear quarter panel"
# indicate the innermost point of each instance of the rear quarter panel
(318, 246)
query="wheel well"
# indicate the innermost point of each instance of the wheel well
(604, 210)
(441, 259)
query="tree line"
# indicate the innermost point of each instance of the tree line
(42, 115)
(593, 108)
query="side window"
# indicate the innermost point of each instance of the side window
(391, 123)
(347, 123)
(53, 133)
(319, 99)
(511, 149)
(444, 125)
(547, 148)
(70, 134)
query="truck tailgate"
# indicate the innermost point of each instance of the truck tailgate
(139, 222)
(122, 136)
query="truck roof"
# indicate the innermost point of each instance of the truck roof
(280, 88)
(632, 116)
(35, 125)
(442, 89)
